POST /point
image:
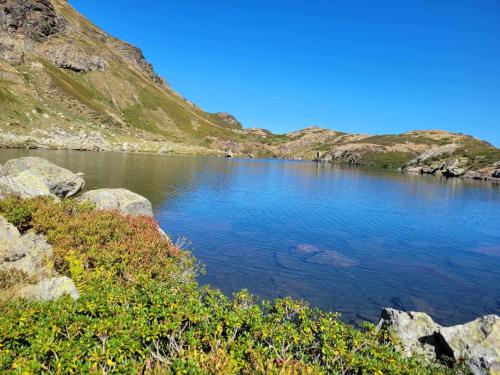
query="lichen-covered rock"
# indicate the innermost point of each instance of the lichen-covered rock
(9, 239)
(415, 330)
(122, 199)
(37, 19)
(32, 176)
(434, 152)
(28, 253)
(49, 289)
(417, 170)
(476, 342)
(78, 60)
(456, 168)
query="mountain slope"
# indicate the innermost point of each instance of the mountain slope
(64, 83)
(59, 69)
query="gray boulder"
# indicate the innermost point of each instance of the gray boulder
(32, 176)
(417, 170)
(414, 329)
(121, 199)
(456, 168)
(27, 253)
(49, 289)
(477, 343)
(496, 174)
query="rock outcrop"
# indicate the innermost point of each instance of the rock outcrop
(27, 252)
(32, 176)
(477, 343)
(120, 199)
(78, 60)
(26, 258)
(445, 161)
(229, 119)
(30, 255)
(434, 153)
(35, 18)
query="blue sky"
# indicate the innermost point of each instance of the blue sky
(357, 66)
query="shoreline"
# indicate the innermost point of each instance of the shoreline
(470, 175)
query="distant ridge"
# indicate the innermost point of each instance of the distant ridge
(66, 84)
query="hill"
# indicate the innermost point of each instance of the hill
(66, 84)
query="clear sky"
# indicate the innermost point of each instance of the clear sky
(358, 66)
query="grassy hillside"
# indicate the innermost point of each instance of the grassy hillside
(64, 83)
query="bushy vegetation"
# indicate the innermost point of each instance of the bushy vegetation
(141, 311)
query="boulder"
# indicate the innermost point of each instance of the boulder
(414, 329)
(456, 168)
(27, 253)
(496, 174)
(5, 190)
(417, 170)
(476, 343)
(32, 176)
(121, 199)
(30, 254)
(49, 289)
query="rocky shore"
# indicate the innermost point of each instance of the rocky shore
(476, 343)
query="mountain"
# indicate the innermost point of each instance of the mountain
(60, 74)
(64, 83)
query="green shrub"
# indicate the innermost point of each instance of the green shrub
(141, 311)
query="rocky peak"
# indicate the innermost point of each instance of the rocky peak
(229, 119)
(35, 18)
(135, 56)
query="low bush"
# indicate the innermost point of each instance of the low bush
(141, 311)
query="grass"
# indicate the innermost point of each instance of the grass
(74, 86)
(390, 160)
(141, 311)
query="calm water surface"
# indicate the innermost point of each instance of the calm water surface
(346, 240)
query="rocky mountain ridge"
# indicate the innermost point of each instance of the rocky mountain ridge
(66, 84)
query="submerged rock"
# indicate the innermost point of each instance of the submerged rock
(313, 254)
(32, 176)
(477, 343)
(124, 200)
(332, 258)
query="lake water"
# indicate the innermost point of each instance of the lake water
(346, 240)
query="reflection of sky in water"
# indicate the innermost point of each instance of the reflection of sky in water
(377, 238)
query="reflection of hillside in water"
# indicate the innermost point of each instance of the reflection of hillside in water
(157, 177)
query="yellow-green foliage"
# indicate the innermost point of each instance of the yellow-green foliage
(140, 311)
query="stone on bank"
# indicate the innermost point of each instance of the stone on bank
(32, 176)
(124, 200)
(476, 343)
